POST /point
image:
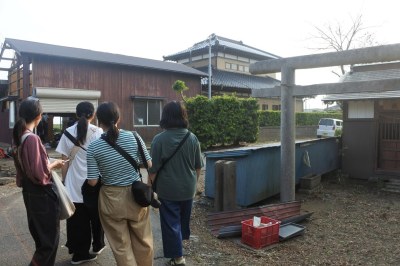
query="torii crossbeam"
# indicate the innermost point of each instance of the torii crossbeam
(288, 89)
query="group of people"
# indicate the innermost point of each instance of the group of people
(174, 164)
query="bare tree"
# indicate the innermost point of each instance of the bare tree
(340, 37)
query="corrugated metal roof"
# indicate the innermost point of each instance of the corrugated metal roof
(238, 80)
(218, 41)
(380, 71)
(35, 48)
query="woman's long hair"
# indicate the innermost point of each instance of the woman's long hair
(174, 115)
(29, 109)
(84, 111)
(108, 114)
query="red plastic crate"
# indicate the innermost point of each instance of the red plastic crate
(262, 236)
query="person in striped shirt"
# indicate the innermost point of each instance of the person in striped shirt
(126, 224)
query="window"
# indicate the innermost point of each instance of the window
(361, 109)
(276, 107)
(264, 107)
(227, 66)
(146, 112)
(241, 68)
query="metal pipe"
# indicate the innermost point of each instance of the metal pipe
(209, 66)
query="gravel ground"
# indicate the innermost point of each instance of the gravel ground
(353, 223)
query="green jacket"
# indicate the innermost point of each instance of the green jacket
(177, 180)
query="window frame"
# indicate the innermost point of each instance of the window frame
(158, 100)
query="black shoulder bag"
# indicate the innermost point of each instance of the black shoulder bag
(154, 184)
(90, 194)
(142, 193)
(73, 140)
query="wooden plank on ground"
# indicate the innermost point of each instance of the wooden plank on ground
(277, 211)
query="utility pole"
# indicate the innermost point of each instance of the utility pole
(209, 65)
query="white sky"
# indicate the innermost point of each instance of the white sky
(153, 28)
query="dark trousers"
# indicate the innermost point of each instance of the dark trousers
(43, 212)
(81, 226)
(97, 229)
(175, 225)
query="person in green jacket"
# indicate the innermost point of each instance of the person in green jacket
(176, 180)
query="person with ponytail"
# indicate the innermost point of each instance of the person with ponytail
(84, 224)
(126, 224)
(34, 176)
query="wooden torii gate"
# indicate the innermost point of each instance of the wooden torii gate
(288, 90)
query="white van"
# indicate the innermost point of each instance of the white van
(327, 127)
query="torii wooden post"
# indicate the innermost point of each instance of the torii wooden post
(287, 67)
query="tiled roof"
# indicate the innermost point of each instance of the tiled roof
(218, 41)
(35, 48)
(237, 80)
(372, 72)
(369, 72)
(362, 96)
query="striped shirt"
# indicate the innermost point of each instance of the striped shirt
(114, 169)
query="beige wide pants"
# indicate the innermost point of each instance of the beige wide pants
(127, 226)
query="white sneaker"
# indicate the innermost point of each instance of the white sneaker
(98, 252)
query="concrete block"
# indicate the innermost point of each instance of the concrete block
(310, 181)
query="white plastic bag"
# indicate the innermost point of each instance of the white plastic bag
(66, 205)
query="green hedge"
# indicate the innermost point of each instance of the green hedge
(273, 118)
(201, 120)
(223, 120)
(226, 120)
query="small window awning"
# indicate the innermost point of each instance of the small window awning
(64, 100)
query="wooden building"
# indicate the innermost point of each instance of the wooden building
(371, 125)
(230, 61)
(63, 76)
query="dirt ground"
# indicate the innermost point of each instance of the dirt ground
(353, 223)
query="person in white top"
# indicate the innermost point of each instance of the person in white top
(85, 221)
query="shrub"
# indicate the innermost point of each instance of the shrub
(223, 119)
(273, 118)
